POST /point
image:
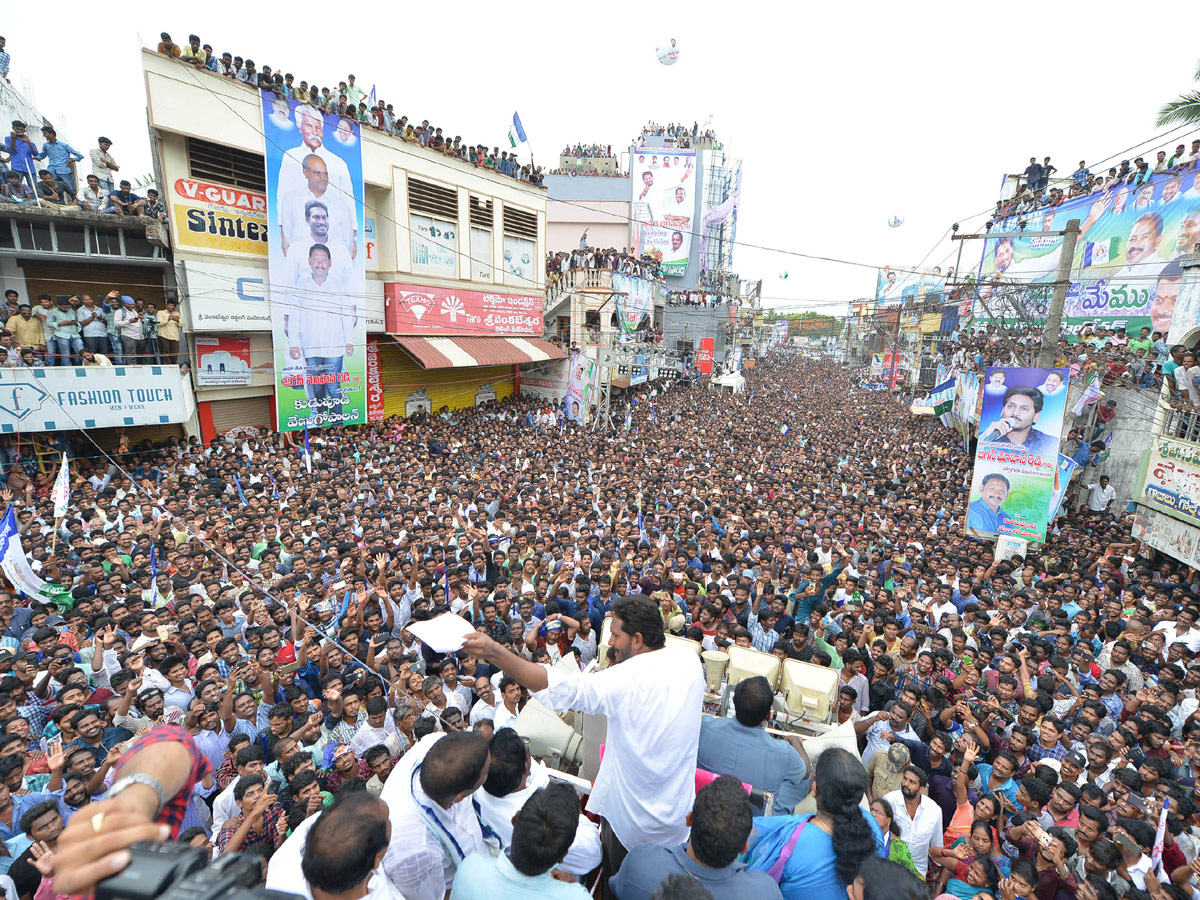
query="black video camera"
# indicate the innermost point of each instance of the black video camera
(169, 871)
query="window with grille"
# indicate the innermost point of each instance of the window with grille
(212, 162)
(482, 214)
(436, 200)
(520, 222)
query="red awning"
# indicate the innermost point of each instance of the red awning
(460, 352)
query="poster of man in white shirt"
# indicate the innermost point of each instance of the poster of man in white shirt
(320, 331)
(317, 268)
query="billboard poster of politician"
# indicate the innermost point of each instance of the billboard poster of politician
(317, 261)
(1016, 459)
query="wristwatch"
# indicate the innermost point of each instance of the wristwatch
(140, 778)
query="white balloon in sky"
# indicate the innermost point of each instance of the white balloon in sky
(668, 53)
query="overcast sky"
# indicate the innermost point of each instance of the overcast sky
(843, 115)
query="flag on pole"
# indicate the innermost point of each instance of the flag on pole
(371, 99)
(153, 575)
(1160, 836)
(62, 489)
(274, 489)
(943, 401)
(237, 482)
(307, 452)
(784, 429)
(516, 134)
(1090, 395)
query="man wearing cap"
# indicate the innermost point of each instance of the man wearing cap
(739, 746)
(884, 770)
(129, 321)
(59, 155)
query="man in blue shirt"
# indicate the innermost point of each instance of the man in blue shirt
(58, 155)
(986, 513)
(543, 831)
(1088, 454)
(740, 747)
(22, 153)
(721, 822)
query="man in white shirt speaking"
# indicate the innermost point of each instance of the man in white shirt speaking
(652, 697)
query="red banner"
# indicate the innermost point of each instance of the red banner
(374, 382)
(704, 356)
(420, 309)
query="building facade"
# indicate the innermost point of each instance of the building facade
(441, 236)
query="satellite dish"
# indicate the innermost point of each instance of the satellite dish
(895, 221)
(668, 53)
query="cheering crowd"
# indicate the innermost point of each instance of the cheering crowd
(78, 331)
(239, 628)
(587, 257)
(349, 100)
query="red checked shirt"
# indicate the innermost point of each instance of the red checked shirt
(176, 807)
(265, 833)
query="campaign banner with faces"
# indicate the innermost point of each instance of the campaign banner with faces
(904, 287)
(635, 301)
(1125, 271)
(317, 261)
(664, 200)
(1016, 460)
(581, 388)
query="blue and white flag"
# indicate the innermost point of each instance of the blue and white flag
(943, 401)
(237, 483)
(307, 452)
(153, 575)
(61, 492)
(1090, 395)
(516, 134)
(784, 429)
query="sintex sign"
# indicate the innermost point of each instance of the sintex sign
(217, 217)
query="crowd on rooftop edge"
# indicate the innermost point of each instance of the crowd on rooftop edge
(350, 100)
(1035, 193)
(1021, 723)
(676, 134)
(45, 176)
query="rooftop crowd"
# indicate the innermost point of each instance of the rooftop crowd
(590, 151)
(1020, 722)
(1034, 192)
(46, 176)
(350, 100)
(676, 134)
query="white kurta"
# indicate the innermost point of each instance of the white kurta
(647, 779)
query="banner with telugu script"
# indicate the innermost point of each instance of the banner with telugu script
(1016, 459)
(317, 263)
(1125, 271)
(1172, 482)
